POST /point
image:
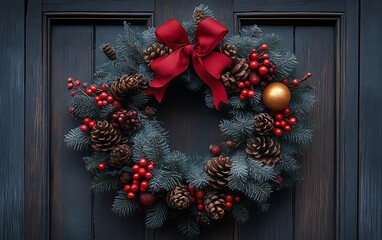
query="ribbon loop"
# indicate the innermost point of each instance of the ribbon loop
(207, 63)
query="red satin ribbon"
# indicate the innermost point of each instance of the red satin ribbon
(207, 63)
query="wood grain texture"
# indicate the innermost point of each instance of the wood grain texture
(289, 6)
(71, 55)
(370, 117)
(12, 120)
(315, 197)
(98, 5)
(36, 128)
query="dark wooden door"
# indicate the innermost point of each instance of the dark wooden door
(61, 204)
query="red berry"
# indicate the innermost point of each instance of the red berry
(71, 109)
(254, 78)
(131, 195)
(134, 188)
(280, 179)
(199, 200)
(309, 75)
(193, 200)
(228, 204)
(247, 83)
(136, 182)
(70, 85)
(253, 65)
(251, 94)
(228, 198)
(93, 88)
(295, 82)
(150, 167)
(244, 92)
(136, 176)
(199, 194)
(215, 149)
(277, 124)
(264, 47)
(241, 85)
(104, 95)
(116, 104)
(254, 56)
(286, 111)
(144, 184)
(135, 168)
(70, 80)
(278, 132)
(292, 121)
(279, 116)
(254, 50)
(84, 128)
(92, 124)
(87, 120)
(200, 207)
(148, 175)
(267, 62)
(104, 103)
(127, 188)
(84, 85)
(104, 87)
(142, 189)
(142, 162)
(152, 163)
(110, 99)
(101, 166)
(263, 70)
(142, 172)
(100, 103)
(191, 188)
(288, 128)
(283, 123)
(97, 98)
(89, 92)
(265, 55)
(237, 199)
(242, 98)
(285, 81)
(77, 83)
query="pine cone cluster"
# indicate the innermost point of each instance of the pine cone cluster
(104, 136)
(239, 69)
(125, 85)
(109, 51)
(229, 83)
(264, 149)
(120, 156)
(263, 123)
(229, 50)
(156, 50)
(214, 204)
(179, 197)
(218, 170)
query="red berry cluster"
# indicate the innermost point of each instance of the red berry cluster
(229, 199)
(197, 196)
(296, 82)
(261, 68)
(141, 177)
(283, 122)
(88, 124)
(125, 119)
(101, 96)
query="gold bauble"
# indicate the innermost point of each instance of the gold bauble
(276, 96)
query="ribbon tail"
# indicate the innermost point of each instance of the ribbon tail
(157, 92)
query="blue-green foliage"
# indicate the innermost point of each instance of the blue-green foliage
(105, 182)
(77, 140)
(94, 160)
(239, 128)
(195, 175)
(123, 206)
(156, 215)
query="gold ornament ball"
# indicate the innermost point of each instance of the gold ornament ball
(276, 96)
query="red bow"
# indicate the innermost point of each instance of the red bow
(207, 63)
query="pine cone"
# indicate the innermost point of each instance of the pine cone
(108, 51)
(263, 123)
(240, 69)
(218, 169)
(264, 149)
(126, 178)
(179, 197)
(120, 156)
(103, 136)
(156, 50)
(123, 86)
(230, 83)
(229, 50)
(214, 204)
(198, 16)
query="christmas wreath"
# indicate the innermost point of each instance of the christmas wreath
(246, 76)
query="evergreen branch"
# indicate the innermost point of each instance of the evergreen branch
(77, 140)
(260, 172)
(239, 129)
(84, 106)
(105, 182)
(189, 226)
(93, 161)
(196, 176)
(252, 31)
(257, 191)
(156, 215)
(301, 135)
(123, 206)
(240, 212)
